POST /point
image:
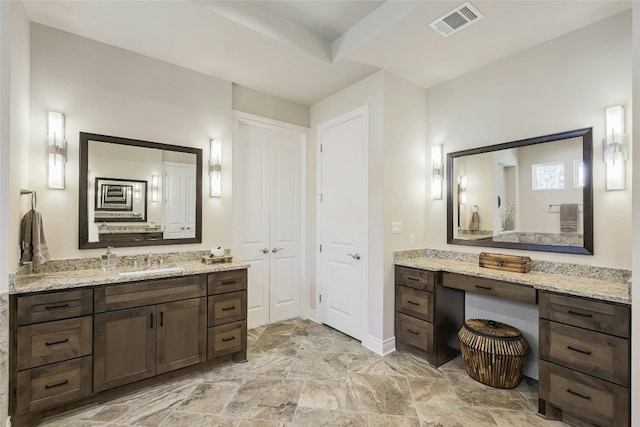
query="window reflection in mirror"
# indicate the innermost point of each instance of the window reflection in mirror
(118, 173)
(529, 194)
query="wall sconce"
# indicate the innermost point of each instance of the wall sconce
(615, 148)
(462, 189)
(215, 168)
(56, 151)
(436, 171)
(154, 188)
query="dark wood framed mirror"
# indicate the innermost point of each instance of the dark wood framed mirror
(532, 194)
(138, 193)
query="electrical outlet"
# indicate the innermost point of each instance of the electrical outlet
(396, 227)
(412, 240)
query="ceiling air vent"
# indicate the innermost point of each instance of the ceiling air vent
(456, 19)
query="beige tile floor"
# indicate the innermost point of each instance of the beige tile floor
(300, 373)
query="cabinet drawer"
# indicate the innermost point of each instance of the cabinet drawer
(600, 316)
(148, 292)
(490, 287)
(414, 332)
(52, 385)
(415, 278)
(603, 356)
(50, 342)
(227, 308)
(227, 339)
(227, 281)
(592, 399)
(415, 303)
(54, 306)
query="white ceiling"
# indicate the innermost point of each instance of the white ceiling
(305, 51)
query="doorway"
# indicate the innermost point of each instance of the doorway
(343, 222)
(269, 188)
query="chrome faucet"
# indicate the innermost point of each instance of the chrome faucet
(134, 259)
(149, 259)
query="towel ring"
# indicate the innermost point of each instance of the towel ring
(474, 208)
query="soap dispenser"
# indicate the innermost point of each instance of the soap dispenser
(109, 260)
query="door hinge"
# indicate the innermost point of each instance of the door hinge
(320, 298)
(321, 148)
(321, 197)
(320, 248)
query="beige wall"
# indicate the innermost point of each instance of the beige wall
(261, 104)
(561, 85)
(405, 182)
(105, 90)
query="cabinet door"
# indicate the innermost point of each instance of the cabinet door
(125, 347)
(182, 335)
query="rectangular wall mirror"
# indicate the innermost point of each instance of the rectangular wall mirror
(138, 193)
(533, 194)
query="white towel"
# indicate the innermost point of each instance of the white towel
(34, 244)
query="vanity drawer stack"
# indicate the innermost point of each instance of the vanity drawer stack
(227, 314)
(584, 359)
(54, 342)
(427, 315)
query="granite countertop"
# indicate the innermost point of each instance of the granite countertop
(614, 291)
(49, 281)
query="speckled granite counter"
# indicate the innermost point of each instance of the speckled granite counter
(611, 285)
(48, 281)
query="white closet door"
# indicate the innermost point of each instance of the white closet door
(341, 225)
(253, 245)
(268, 234)
(285, 227)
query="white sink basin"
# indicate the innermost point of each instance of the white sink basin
(148, 271)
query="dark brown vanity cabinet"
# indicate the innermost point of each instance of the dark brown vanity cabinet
(73, 347)
(584, 360)
(149, 339)
(427, 315)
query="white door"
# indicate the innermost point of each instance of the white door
(179, 200)
(268, 220)
(342, 221)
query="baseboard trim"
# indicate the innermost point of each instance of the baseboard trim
(311, 315)
(380, 347)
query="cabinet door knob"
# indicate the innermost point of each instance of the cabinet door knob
(264, 250)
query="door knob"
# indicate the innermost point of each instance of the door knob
(264, 250)
(276, 250)
(354, 256)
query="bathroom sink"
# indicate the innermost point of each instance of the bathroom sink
(154, 270)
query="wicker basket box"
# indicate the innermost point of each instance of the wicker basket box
(494, 353)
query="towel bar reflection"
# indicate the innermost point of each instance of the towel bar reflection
(580, 205)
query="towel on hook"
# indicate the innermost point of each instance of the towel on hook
(33, 242)
(474, 223)
(569, 218)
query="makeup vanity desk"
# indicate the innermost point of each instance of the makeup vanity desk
(584, 330)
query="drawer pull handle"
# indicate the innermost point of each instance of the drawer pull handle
(411, 331)
(228, 282)
(413, 302)
(229, 308)
(585, 397)
(588, 353)
(580, 314)
(487, 288)
(55, 307)
(161, 318)
(151, 320)
(414, 279)
(57, 342)
(228, 339)
(48, 386)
